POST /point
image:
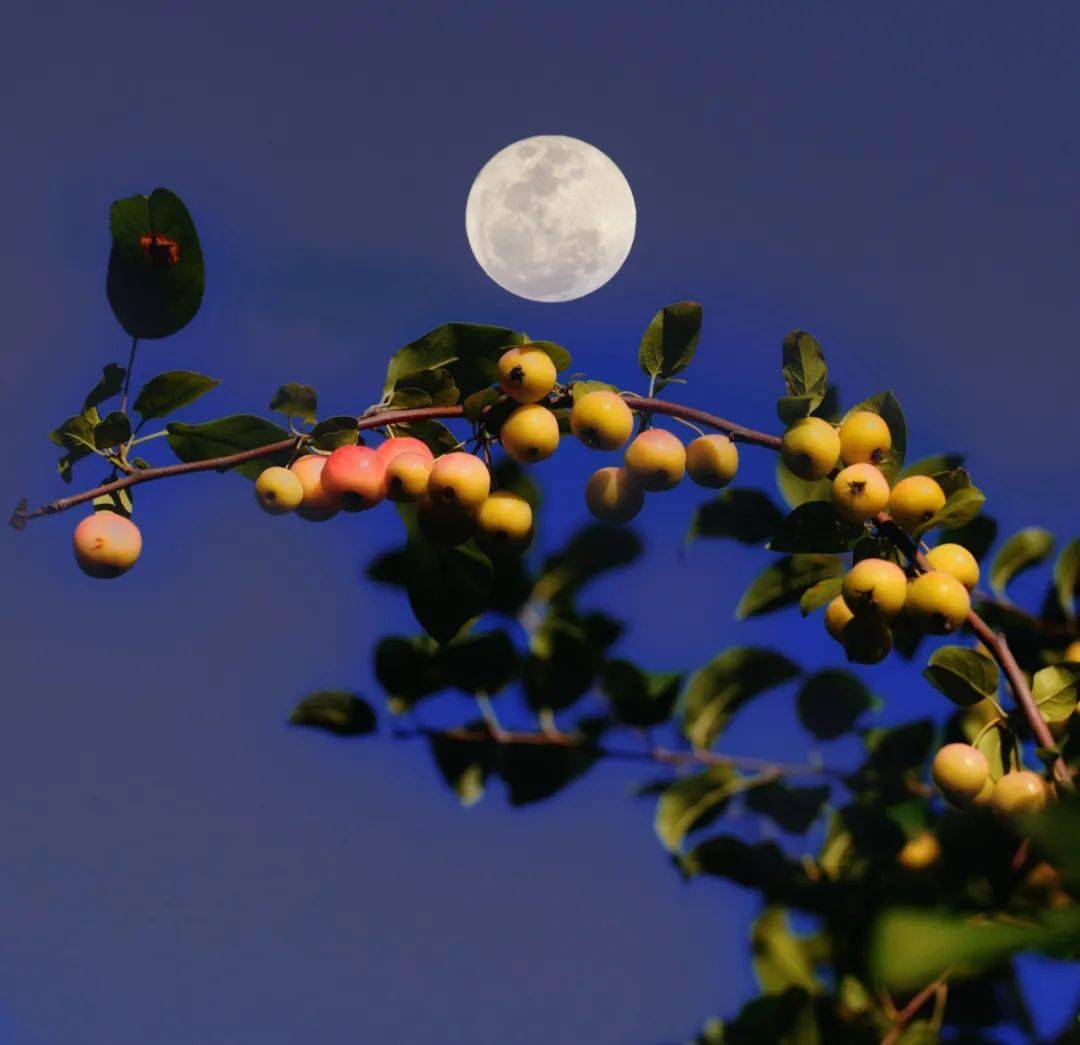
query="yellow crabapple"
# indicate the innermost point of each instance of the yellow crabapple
(937, 602)
(106, 545)
(859, 492)
(278, 490)
(388, 449)
(357, 475)
(837, 617)
(530, 434)
(957, 561)
(960, 770)
(712, 461)
(864, 438)
(875, 587)
(1020, 791)
(915, 500)
(407, 476)
(526, 374)
(459, 478)
(601, 420)
(318, 503)
(504, 522)
(613, 496)
(1072, 651)
(656, 459)
(920, 852)
(810, 448)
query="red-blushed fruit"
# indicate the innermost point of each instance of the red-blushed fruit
(810, 448)
(601, 420)
(837, 617)
(914, 501)
(106, 545)
(388, 449)
(920, 852)
(459, 478)
(864, 438)
(957, 561)
(960, 770)
(504, 523)
(656, 459)
(612, 496)
(278, 490)
(875, 586)
(859, 492)
(357, 476)
(526, 374)
(712, 461)
(319, 504)
(866, 640)
(407, 476)
(530, 434)
(937, 602)
(1019, 792)
(445, 522)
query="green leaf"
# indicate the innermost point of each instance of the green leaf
(582, 388)
(830, 703)
(963, 675)
(1067, 578)
(1020, 552)
(724, 685)
(932, 466)
(482, 664)
(533, 772)
(780, 957)
(790, 409)
(977, 536)
(464, 764)
(747, 516)
(388, 568)
(670, 340)
(295, 400)
(763, 867)
(447, 586)
(424, 388)
(167, 392)
(556, 353)
(789, 1018)
(804, 369)
(339, 430)
(438, 438)
(407, 670)
(77, 433)
(111, 384)
(820, 594)
(815, 527)
(230, 435)
(1056, 690)
(337, 711)
(911, 947)
(156, 273)
(468, 351)
(1056, 833)
(118, 501)
(640, 698)
(784, 582)
(962, 506)
(593, 550)
(112, 431)
(886, 406)
(693, 802)
(792, 809)
(566, 653)
(478, 402)
(796, 491)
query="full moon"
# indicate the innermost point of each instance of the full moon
(550, 218)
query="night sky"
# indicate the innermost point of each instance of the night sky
(181, 868)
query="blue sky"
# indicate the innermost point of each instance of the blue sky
(181, 868)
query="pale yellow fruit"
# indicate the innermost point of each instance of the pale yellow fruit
(875, 587)
(612, 496)
(656, 459)
(937, 602)
(106, 545)
(920, 852)
(915, 500)
(864, 438)
(601, 420)
(810, 448)
(459, 479)
(712, 461)
(1072, 651)
(504, 522)
(526, 374)
(530, 434)
(960, 770)
(837, 616)
(859, 492)
(278, 490)
(1019, 792)
(407, 476)
(957, 561)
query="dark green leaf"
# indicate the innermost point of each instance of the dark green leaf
(439, 439)
(112, 431)
(792, 809)
(747, 516)
(977, 536)
(790, 409)
(1067, 578)
(670, 340)
(167, 392)
(533, 772)
(406, 669)
(296, 400)
(719, 689)
(156, 272)
(464, 764)
(804, 369)
(111, 384)
(961, 507)
(693, 802)
(340, 430)
(593, 550)
(820, 594)
(230, 435)
(830, 703)
(512, 477)
(932, 466)
(1056, 833)
(963, 675)
(479, 664)
(1056, 690)
(564, 658)
(424, 388)
(815, 527)
(784, 582)
(779, 1019)
(77, 433)
(1020, 552)
(763, 867)
(796, 491)
(640, 698)
(478, 402)
(447, 586)
(388, 568)
(337, 711)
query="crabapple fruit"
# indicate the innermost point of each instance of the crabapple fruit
(278, 490)
(526, 374)
(810, 448)
(712, 461)
(388, 449)
(920, 852)
(106, 545)
(864, 438)
(937, 602)
(656, 460)
(601, 420)
(960, 770)
(407, 476)
(915, 500)
(875, 587)
(1072, 651)
(859, 492)
(1020, 791)
(837, 617)
(459, 478)
(504, 522)
(530, 434)
(613, 496)
(357, 475)
(956, 561)
(318, 503)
